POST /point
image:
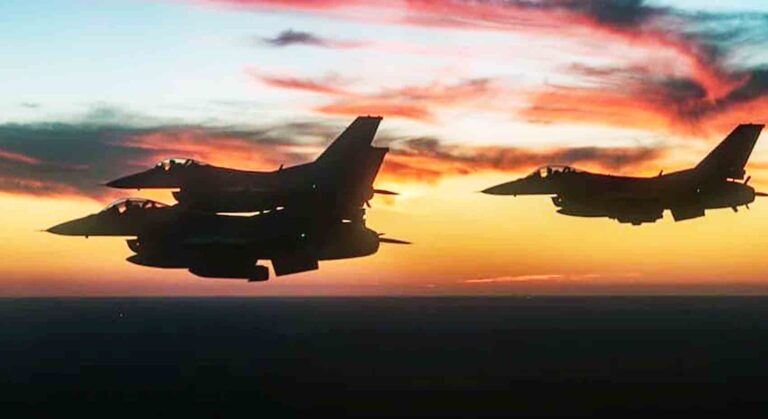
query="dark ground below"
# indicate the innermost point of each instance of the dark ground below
(384, 356)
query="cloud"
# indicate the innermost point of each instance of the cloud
(416, 102)
(413, 102)
(75, 158)
(679, 68)
(639, 97)
(553, 277)
(429, 159)
(290, 37)
(329, 85)
(17, 157)
(518, 278)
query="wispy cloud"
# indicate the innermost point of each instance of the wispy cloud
(429, 159)
(291, 37)
(677, 70)
(329, 85)
(67, 158)
(418, 102)
(553, 277)
(18, 157)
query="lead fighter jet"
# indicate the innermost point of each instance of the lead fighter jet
(713, 183)
(335, 177)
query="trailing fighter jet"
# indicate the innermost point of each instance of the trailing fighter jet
(636, 200)
(227, 246)
(333, 179)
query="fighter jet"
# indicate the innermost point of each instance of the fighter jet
(713, 183)
(331, 180)
(228, 246)
(304, 214)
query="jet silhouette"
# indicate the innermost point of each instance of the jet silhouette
(228, 246)
(636, 200)
(305, 214)
(337, 177)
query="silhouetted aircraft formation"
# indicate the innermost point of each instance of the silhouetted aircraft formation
(304, 214)
(636, 200)
(316, 211)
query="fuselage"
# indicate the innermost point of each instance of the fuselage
(218, 189)
(342, 177)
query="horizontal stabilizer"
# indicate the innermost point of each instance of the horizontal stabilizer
(384, 192)
(393, 241)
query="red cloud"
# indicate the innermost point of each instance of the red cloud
(217, 149)
(412, 102)
(642, 109)
(328, 85)
(427, 160)
(378, 106)
(18, 157)
(656, 33)
(123, 150)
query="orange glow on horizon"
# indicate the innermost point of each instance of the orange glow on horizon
(464, 243)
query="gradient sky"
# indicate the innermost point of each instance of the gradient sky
(473, 93)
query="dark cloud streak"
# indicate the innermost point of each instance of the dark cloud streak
(291, 37)
(74, 159)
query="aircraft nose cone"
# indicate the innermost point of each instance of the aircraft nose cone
(113, 184)
(68, 228)
(151, 178)
(78, 227)
(125, 182)
(57, 229)
(493, 190)
(509, 188)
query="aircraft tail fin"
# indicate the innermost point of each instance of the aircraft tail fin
(354, 184)
(728, 159)
(356, 137)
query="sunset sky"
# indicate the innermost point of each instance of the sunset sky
(473, 93)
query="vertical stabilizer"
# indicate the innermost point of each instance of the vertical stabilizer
(355, 139)
(728, 159)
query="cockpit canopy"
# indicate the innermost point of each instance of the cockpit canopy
(127, 204)
(169, 164)
(547, 171)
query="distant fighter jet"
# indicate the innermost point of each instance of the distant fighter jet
(227, 246)
(333, 179)
(636, 200)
